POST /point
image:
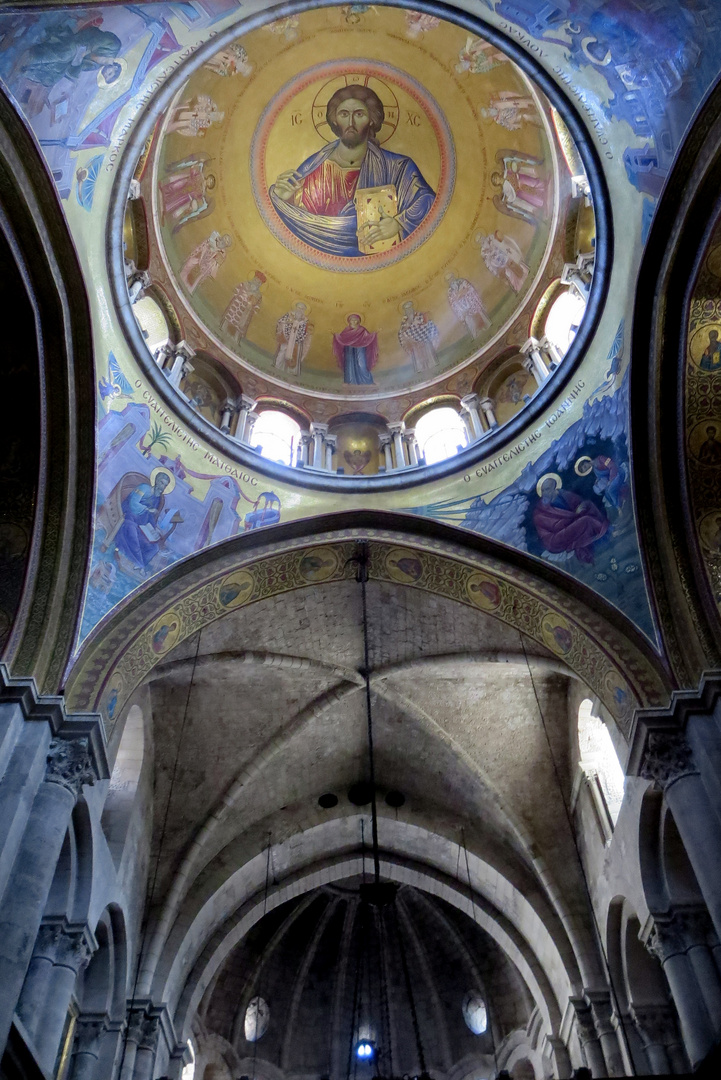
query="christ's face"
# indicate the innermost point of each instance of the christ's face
(353, 119)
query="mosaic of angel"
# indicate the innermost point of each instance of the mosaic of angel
(353, 180)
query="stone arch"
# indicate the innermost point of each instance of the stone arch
(674, 254)
(199, 948)
(605, 652)
(124, 781)
(34, 231)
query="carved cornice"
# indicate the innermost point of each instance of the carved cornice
(685, 704)
(50, 708)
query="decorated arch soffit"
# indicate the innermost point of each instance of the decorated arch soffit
(624, 674)
(85, 79)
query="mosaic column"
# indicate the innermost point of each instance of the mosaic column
(229, 408)
(668, 942)
(534, 362)
(550, 350)
(331, 443)
(399, 455)
(304, 450)
(73, 950)
(181, 364)
(470, 406)
(588, 1037)
(147, 1046)
(601, 1011)
(489, 414)
(409, 437)
(318, 433)
(385, 445)
(89, 1035)
(575, 277)
(163, 355)
(246, 406)
(668, 760)
(69, 766)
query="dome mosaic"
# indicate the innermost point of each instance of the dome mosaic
(357, 204)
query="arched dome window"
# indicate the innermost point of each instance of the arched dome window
(599, 759)
(277, 436)
(188, 1072)
(475, 1012)
(257, 1016)
(564, 319)
(152, 322)
(441, 433)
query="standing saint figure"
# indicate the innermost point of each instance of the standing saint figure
(511, 110)
(232, 60)
(192, 118)
(522, 190)
(184, 195)
(318, 200)
(466, 304)
(245, 302)
(293, 337)
(711, 358)
(419, 336)
(356, 350)
(503, 258)
(205, 260)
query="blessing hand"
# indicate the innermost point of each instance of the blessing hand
(286, 185)
(385, 229)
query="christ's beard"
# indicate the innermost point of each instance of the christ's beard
(351, 138)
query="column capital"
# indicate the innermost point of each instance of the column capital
(668, 938)
(533, 344)
(668, 757)
(470, 401)
(331, 440)
(149, 1033)
(246, 403)
(655, 1023)
(319, 429)
(385, 439)
(230, 404)
(601, 1010)
(398, 427)
(184, 350)
(67, 944)
(409, 434)
(69, 764)
(584, 1020)
(162, 354)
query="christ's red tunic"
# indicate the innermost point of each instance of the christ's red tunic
(328, 189)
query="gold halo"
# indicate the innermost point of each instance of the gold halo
(583, 466)
(382, 89)
(548, 476)
(167, 472)
(112, 60)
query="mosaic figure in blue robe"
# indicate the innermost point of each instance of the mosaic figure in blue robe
(316, 200)
(138, 536)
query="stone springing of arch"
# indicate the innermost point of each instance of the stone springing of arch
(441, 433)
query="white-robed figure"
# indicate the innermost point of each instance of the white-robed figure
(466, 304)
(316, 200)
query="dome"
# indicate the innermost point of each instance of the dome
(356, 214)
(330, 988)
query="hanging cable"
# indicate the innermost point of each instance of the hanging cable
(356, 993)
(383, 957)
(161, 841)
(475, 920)
(362, 560)
(258, 996)
(574, 838)
(409, 991)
